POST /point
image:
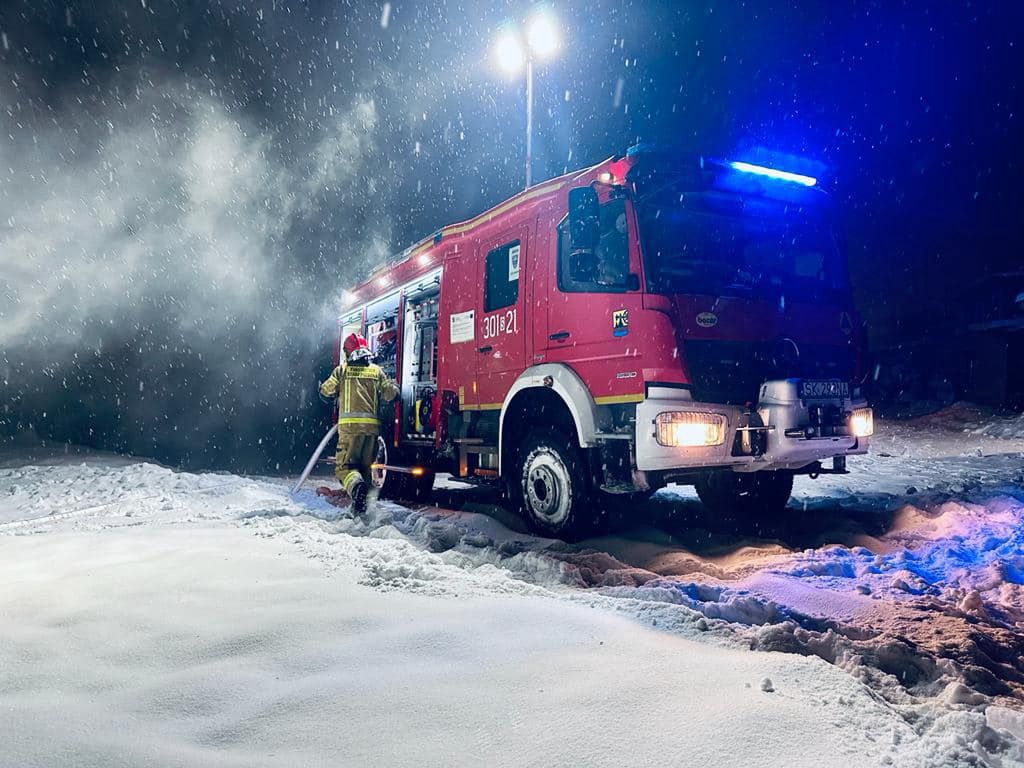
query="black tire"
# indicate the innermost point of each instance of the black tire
(753, 499)
(552, 488)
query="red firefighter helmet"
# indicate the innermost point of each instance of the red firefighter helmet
(355, 347)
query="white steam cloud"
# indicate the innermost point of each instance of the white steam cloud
(170, 274)
(183, 210)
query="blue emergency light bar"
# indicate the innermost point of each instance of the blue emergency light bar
(773, 173)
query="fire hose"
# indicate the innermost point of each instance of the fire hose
(316, 455)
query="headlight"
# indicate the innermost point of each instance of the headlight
(862, 422)
(685, 429)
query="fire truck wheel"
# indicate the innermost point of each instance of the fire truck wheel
(746, 498)
(392, 485)
(552, 489)
(399, 486)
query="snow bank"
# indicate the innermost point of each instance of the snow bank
(904, 576)
(204, 645)
(1008, 428)
(970, 421)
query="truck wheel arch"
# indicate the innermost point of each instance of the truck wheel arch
(562, 382)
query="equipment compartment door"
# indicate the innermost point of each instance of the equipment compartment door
(503, 322)
(458, 326)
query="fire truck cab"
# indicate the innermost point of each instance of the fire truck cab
(656, 318)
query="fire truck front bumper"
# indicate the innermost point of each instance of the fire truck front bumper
(676, 434)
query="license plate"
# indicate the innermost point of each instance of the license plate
(824, 389)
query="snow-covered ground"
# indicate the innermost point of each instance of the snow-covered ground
(156, 617)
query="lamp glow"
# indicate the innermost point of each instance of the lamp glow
(542, 35)
(862, 422)
(682, 429)
(508, 52)
(774, 173)
(525, 45)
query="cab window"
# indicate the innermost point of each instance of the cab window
(501, 283)
(606, 270)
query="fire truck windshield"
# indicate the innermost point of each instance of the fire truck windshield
(726, 244)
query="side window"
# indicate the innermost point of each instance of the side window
(606, 270)
(501, 284)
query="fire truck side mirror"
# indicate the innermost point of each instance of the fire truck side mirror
(584, 219)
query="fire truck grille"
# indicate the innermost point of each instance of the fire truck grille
(732, 371)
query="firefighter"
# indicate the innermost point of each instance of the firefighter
(359, 386)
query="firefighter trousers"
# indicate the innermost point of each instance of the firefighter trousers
(353, 459)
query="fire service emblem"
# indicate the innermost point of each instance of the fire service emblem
(620, 322)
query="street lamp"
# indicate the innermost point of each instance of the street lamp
(511, 53)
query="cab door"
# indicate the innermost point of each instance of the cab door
(593, 304)
(503, 322)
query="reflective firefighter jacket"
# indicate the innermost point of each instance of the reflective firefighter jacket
(359, 389)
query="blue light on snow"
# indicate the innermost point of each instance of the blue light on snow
(774, 173)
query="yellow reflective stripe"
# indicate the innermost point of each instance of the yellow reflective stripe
(358, 420)
(613, 399)
(353, 475)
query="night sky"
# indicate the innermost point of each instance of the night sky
(186, 187)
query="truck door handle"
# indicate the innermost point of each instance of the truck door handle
(560, 336)
(488, 348)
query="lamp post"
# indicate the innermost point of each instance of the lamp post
(512, 53)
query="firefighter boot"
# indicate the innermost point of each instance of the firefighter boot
(359, 497)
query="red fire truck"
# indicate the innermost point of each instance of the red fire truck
(656, 318)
